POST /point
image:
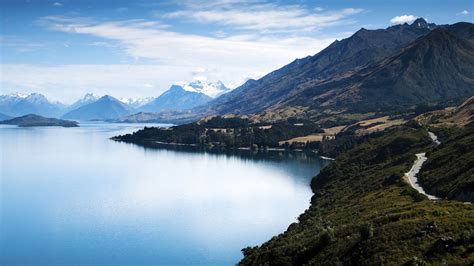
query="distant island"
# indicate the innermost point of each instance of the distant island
(33, 120)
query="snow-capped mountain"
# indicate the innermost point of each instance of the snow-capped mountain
(12, 98)
(136, 102)
(18, 104)
(87, 99)
(37, 98)
(211, 89)
(180, 96)
(106, 107)
(176, 98)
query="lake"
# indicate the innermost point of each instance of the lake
(71, 195)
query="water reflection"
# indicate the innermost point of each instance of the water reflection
(74, 196)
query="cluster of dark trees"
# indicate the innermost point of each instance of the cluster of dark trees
(227, 133)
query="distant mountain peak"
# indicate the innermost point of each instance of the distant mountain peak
(359, 60)
(136, 102)
(107, 98)
(211, 89)
(182, 96)
(106, 107)
(17, 95)
(16, 104)
(421, 23)
(90, 96)
(36, 95)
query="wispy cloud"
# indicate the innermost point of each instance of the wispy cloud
(57, 4)
(246, 46)
(69, 82)
(264, 17)
(464, 12)
(403, 19)
(226, 58)
(21, 45)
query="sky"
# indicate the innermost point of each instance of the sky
(66, 48)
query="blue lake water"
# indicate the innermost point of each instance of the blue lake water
(71, 195)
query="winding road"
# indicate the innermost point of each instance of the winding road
(415, 169)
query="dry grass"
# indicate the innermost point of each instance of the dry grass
(310, 138)
(329, 132)
(333, 130)
(388, 124)
(368, 122)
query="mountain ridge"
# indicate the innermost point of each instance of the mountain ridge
(176, 98)
(18, 104)
(339, 59)
(32, 120)
(415, 75)
(106, 107)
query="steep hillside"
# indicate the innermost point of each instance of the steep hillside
(385, 71)
(449, 170)
(464, 114)
(342, 58)
(435, 68)
(460, 116)
(364, 213)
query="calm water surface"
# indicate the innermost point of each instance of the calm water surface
(71, 195)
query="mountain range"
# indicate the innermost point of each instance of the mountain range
(176, 98)
(106, 107)
(136, 102)
(371, 71)
(18, 104)
(93, 107)
(87, 99)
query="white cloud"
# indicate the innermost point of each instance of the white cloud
(57, 4)
(464, 12)
(403, 19)
(177, 56)
(233, 57)
(241, 80)
(70, 82)
(264, 17)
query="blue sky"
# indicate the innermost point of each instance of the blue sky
(66, 48)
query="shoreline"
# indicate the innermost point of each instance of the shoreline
(217, 147)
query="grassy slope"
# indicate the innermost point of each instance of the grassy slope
(449, 170)
(364, 213)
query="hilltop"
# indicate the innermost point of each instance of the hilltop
(32, 120)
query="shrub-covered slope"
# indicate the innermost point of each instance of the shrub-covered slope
(449, 170)
(364, 212)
